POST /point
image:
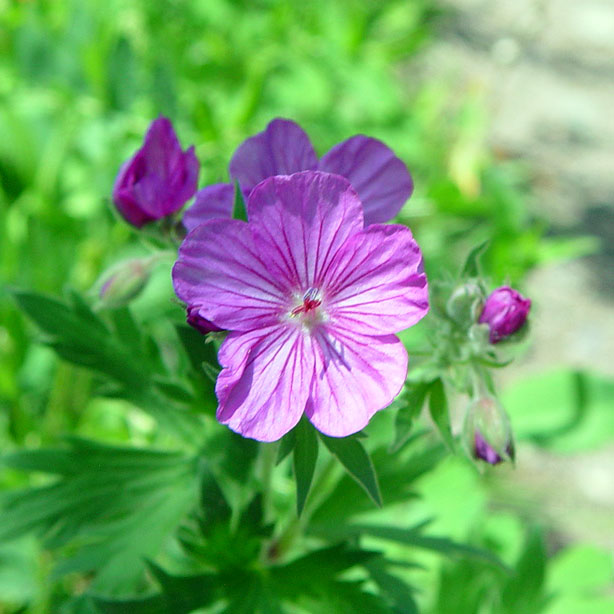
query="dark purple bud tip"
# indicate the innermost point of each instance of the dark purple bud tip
(201, 324)
(481, 449)
(505, 312)
(159, 178)
(487, 432)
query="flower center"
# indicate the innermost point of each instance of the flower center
(312, 299)
(308, 311)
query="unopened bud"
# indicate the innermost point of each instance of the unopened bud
(125, 281)
(465, 303)
(505, 312)
(487, 431)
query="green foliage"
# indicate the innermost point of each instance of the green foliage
(356, 461)
(438, 408)
(305, 457)
(109, 508)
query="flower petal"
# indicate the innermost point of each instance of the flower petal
(214, 201)
(376, 283)
(220, 271)
(355, 376)
(282, 149)
(264, 386)
(300, 222)
(380, 178)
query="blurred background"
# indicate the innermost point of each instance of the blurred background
(502, 112)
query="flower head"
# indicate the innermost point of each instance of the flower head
(159, 178)
(505, 312)
(312, 300)
(380, 178)
(487, 431)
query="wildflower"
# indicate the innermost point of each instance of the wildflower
(311, 299)
(380, 178)
(505, 312)
(159, 178)
(487, 431)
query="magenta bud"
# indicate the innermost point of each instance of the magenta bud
(487, 431)
(125, 282)
(201, 324)
(159, 178)
(505, 312)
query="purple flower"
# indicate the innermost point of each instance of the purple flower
(311, 299)
(158, 180)
(505, 312)
(380, 178)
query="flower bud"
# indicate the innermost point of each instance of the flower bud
(158, 180)
(201, 324)
(487, 431)
(505, 312)
(125, 282)
(465, 303)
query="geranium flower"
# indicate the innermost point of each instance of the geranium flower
(380, 178)
(159, 178)
(312, 300)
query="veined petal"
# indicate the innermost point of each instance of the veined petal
(219, 270)
(381, 179)
(355, 376)
(282, 148)
(300, 222)
(376, 284)
(264, 386)
(211, 202)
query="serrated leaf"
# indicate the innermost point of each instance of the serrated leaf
(357, 463)
(471, 267)
(113, 506)
(78, 338)
(438, 408)
(413, 401)
(305, 457)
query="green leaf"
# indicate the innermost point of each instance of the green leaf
(413, 401)
(305, 457)
(79, 337)
(352, 455)
(524, 590)
(471, 267)
(438, 408)
(286, 445)
(111, 507)
(414, 537)
(398, 592)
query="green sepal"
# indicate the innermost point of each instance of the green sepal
(357, 462)
(305, 457)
